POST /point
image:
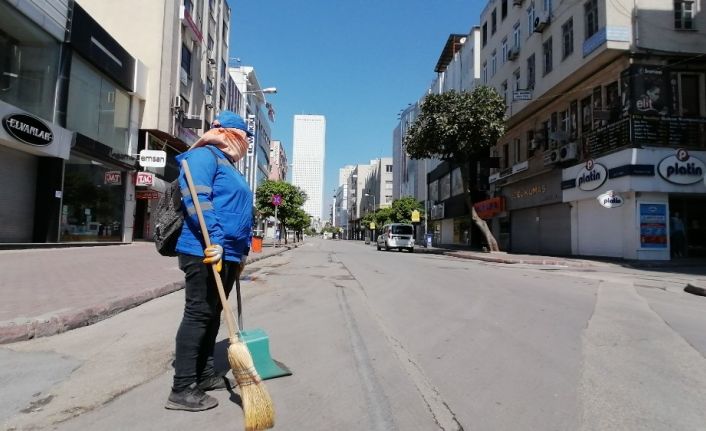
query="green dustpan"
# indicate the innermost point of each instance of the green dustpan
(259, 345)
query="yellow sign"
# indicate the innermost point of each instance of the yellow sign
(372, 225)
(415, 216)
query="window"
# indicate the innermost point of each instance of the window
(530, 72)
(545, 135)
(564, 122)
(503, 9)
(586, 114)
(516, 78)
(493, 63)
(590, 9)
(493, 21)
(186, 60)
(516, 35)
(209, 86)
(210, 44)
(547, 5)
(683, 14)
(567, 38)
(516, 144)
(485, 33)
(485, 72)
(503, 45)
(434, 191)
(506, 156)
(388, 168)
(690, 90)
(530, 143)
(223, 70)
(530, 19)
(503, 91)
(445, 187)
(456, 182)
(188, 7)
(547, 55)
(29, 60)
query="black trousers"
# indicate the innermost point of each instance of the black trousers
(196, 337)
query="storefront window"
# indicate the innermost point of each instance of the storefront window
(97, 107)
(29, 60)
(456, 182)
(462, 231)
(445, 187)
(92, 208)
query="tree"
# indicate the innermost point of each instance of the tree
(298, 220)
(459, 128)
(402, 209)
(292, 198)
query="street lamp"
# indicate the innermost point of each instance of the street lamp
(268, 90)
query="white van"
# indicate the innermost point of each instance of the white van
(397, 235)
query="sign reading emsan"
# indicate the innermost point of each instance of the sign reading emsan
(681, 168)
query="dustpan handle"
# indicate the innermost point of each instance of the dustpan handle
(230, 321)
(240, 304)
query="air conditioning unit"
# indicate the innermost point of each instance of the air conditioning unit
(533, 144)
(541, 22)
(517, 3)
(569, 152)
(513, 53)
(177, 103)
(211, 56)
(209, 101)
(551, 157)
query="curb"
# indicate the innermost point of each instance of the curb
(62, 322)
(545, 262)
(695, 290)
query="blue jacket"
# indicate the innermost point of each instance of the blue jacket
(226, 202)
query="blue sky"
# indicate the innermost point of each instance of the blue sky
(357, 62)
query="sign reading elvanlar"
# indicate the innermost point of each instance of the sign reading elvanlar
(153, 159)
(681, 168)
(611, 199)
(28, 129)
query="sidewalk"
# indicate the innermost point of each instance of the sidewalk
(48, 291)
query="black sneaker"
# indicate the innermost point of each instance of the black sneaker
(191, 399)
(216, 383)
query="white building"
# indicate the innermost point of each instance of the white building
(278, 161)
(606, 99)
(309, 149)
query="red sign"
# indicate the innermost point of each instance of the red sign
(113, 177)
(146, 194)
(489, 208)
(144, 179)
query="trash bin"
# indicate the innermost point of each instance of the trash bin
(257, 244)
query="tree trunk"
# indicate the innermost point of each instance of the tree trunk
(482, 225)
(283, 228)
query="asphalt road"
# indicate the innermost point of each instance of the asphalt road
(396, 341)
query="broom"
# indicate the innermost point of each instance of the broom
(257, 403)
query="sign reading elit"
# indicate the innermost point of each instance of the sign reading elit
(28, 129)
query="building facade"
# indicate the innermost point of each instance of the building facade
(278, 161)
(603, 152)
(309, 149)
(182, 48)
(71, 99)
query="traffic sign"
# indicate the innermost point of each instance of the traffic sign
(276, 200)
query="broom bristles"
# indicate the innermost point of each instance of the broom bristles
(257, 404)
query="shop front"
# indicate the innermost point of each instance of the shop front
(32, 152)
(645, 204)
(539, 223)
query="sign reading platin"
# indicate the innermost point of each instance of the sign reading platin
(681, 168)
(610, 199)
(592, 176)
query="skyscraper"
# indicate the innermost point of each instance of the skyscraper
(309, 148)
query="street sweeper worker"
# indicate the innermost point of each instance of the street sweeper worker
(227, 205)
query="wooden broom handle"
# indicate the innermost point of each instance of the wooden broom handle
(230, 321)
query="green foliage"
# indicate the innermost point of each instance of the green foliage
(292, 200)
(297, 220)
(457, 127)
(402, 210)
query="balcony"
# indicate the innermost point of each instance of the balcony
(641, 131)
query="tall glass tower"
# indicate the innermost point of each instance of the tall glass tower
(309, 149)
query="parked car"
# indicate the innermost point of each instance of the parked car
(397, 235)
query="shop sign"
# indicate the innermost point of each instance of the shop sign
(153, 159)
(28, 129)
(610, 199)
(653, 225)
(681, 168)
(144, 179)
(489, 208)
(415, 216)
(147, 194)
(528, 192)
(114, 178)
(591, 176)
